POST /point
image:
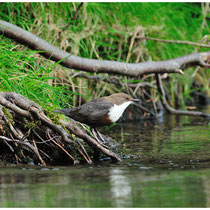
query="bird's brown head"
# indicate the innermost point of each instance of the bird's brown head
(119, 98)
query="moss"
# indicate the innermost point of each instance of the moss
(54, 117)
(29, 124)
(8, 114)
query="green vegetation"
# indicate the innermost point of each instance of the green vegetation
(22, 73)
(101, 31)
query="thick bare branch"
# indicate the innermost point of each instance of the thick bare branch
(12, 106)
(101, 66)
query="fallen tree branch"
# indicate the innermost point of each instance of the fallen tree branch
(169, 108)
(51, 52)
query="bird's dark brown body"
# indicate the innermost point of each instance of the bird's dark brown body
(101, 111)
(94, 113)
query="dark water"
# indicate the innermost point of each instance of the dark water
(166, 164)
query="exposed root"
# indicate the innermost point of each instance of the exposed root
(30, 136)
(89, 140)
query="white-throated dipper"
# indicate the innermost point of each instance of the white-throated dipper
(101, 111)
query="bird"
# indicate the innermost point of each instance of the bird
(99, 112)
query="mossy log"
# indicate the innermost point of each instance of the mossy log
(27, 135)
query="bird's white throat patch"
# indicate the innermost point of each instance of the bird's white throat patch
(117, 110)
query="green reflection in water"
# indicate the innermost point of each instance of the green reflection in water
(105, 186)
(171, 169)
(175, 139)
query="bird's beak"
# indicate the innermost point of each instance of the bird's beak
(137, 100)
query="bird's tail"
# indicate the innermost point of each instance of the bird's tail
(63, 111)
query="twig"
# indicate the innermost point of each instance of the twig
(46, 155)
(12, 129)
(88, 158)
(51, 138)
(3, 132)
(108, 79)
(47, 121)
(175, 41)
(74, 160)
(145, 109)
(26, 143)
(42, 140)
(37, 153)
(116, 80)
(74, 17)
(84, 156)
(10, 147)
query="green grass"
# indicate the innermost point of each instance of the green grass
(102, 31)
(21, 73)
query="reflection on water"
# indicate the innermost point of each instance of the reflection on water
(110, 186)
(120, 188)
(174, 141)
(170, 168)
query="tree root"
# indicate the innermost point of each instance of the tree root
(27, 133)
(90, 141)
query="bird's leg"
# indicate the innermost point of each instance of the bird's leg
(95, 136)
(100, 136)
(94, 132)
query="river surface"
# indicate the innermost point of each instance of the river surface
(166, 163)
